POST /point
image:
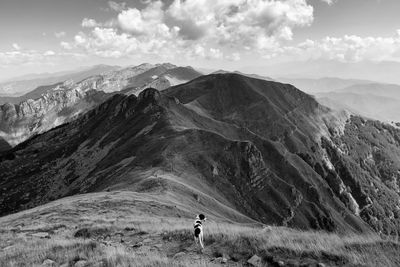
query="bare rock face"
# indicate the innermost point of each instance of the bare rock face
(34, 116)
(253, 162)
(8, 112)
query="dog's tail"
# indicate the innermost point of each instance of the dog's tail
(197, 232)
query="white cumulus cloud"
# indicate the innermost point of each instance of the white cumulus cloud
(202, 28)
(89, 23)
(143, 21)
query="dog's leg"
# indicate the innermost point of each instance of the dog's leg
(201, 240)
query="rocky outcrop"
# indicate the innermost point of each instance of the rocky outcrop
(34, 116)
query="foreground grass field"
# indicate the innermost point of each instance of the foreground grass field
(121, 229)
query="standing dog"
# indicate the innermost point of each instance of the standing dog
(198, 230)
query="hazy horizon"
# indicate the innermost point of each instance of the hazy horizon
(248, 36)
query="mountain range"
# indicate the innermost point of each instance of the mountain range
(238, 148)
(24, 84)
(323, 85)
(51, 105)
(381, 72)
(377, 101)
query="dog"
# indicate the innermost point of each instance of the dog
(198, 230)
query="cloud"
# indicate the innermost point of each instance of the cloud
(16, 46)
(233, 57)
(207, 29)
(143, 21)
(215, 53)
(35, 58)
(201, 28)
(117, 6)
(60, 34)
(108, 42)
(348, 48)
(89, 23)
(239, 22)
(49, 53)
(329, 2)
(66, 45)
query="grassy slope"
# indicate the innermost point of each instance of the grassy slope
(122, 228)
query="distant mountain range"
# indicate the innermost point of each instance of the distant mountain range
(374, 106)
(256, 76)
(229, 145)
(322, 85)
(21, 85)
(366, 98)
(381, 72)
(51, 105)
(377, 89)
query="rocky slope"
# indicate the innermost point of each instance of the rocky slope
(49, 106)
(231, 145)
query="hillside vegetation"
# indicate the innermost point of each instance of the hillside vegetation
(130, 229)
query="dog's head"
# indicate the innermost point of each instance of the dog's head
(201, 217)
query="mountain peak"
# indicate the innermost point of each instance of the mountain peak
(167, 65)
(149, 94)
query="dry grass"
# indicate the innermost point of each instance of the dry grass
(240, 242)
(138, 221)
(63, 251)
(367, 250)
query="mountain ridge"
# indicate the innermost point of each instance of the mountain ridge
(182, 142)
(49, 106)
(16, 88)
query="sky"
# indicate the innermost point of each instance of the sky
(56, 35)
